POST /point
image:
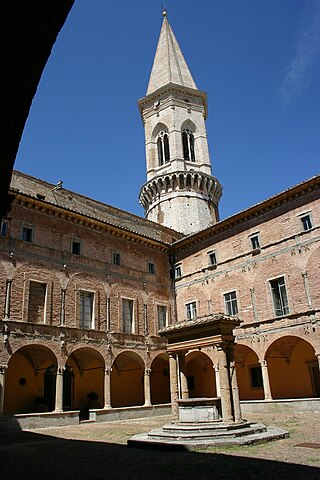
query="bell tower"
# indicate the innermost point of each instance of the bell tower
(180, 192)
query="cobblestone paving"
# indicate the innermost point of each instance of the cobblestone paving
(99, 451)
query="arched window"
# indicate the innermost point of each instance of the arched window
(163, 148)
(188, 145)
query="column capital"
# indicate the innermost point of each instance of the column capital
(147, 371)
(60, 370)
(263, 363)
(3, 369)
(220, 346)
(108, 370)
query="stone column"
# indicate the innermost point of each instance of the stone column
(234, 384)
(217, 378)
(147, 390)
(107, 388)
(108, 326)
(59, 390)
(307, 289)
(145, 319)
(183, 375)
(3, 369)
(265, 379)
(173, 385)
(8, 300)
(226, 403)
(318, 357)
(63, 303)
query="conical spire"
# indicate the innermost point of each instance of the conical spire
(169, 65)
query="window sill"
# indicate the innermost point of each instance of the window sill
(255, 251)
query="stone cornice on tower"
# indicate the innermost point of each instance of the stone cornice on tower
(184, 181)
(149, 103)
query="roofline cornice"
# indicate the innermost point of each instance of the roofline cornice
(86, 221)
(255, 211)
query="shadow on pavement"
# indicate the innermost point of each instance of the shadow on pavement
(28, 455)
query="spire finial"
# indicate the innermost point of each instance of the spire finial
(164, 11)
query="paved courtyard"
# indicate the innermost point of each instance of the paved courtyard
(94, 451)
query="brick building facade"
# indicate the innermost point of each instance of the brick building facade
(85, 287)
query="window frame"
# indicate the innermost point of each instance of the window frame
(92, 294)
(188, 145)
(32, 280)
(177, 270)
(116, 255)
(165, 309)
(191, 310)
(285, 308)
(123, 327)
(151, 267)
(163, 147)
(26, 227)
(255, 241)
(74, 242)
(4, 223)
(302, 217)
(212, 254)
(231, 303)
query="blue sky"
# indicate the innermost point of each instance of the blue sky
(258, 60)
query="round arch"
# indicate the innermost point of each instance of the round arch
(127, 380)
(86, 365)
(160, 379)
(293, 368)
(201, 375)
(25, 380)
(249, 374)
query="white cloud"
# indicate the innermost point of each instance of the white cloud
(298, 71)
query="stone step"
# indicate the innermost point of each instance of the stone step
(145, 440)
(198, 435)
(212, 426)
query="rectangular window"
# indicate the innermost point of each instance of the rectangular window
(306, 222)
(230, 303)
(127, 315)
(256, 377)
(4, 228)
(116, 258)
(279, 296)
(177, 271)
(191, 310)
(255, 242)
(212, 258)
(37, 302)
(86, 310)
(75, 247)
(162, 317)
(151, 268)
(27, 234)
